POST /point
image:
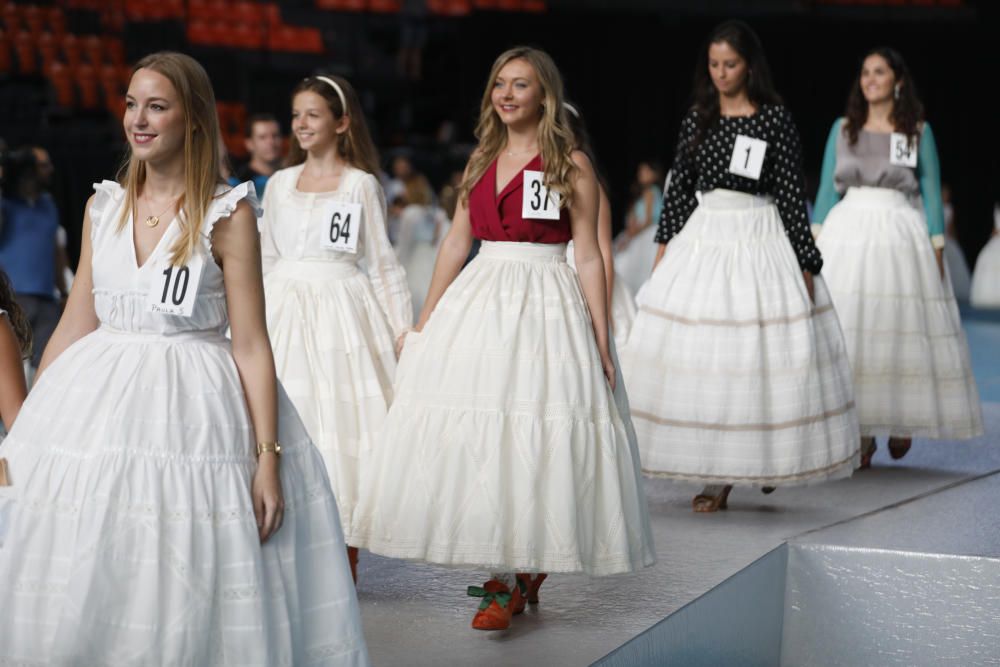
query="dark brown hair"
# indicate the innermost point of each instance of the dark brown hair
(355, 145)
(18, 320)
(760, 85)
(907, 110)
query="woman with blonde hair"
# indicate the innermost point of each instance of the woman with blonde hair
(154, 516)
(504, 449)
(333, 326)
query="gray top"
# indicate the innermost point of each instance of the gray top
(867, 164)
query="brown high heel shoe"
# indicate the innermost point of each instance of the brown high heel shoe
(352, 559)
(705, 502)
(898, 447)
(868, 447)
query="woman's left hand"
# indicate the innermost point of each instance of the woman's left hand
(810, 287)
(609, 369)
(939, 256)
(268, 502)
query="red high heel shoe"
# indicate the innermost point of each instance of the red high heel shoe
(498, 605)
(532, 584)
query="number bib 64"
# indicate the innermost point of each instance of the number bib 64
(538, 201)
(341, 225)
(173, 289)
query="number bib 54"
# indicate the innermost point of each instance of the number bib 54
(173, 289)
(902, 150)
(538, 201)
(748, 157)
(341, 224)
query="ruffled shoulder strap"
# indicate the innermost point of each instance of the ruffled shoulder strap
(225, 203)
(108, 196)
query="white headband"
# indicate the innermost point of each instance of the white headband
(333, 84)
(572, 109)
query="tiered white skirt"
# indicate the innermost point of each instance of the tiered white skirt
(621, 310)
(334, 354)
(985, 292)
(912, 374)
(504, 448)
(734, 375)
(132, 538)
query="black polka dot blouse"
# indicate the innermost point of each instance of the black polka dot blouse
(781, 176)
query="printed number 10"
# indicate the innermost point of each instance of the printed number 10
(182, 273)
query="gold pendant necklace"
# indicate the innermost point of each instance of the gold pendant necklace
(154, 220)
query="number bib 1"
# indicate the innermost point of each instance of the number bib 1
(341, 223)
(902, 151)
(538, 202)
(174, 289)
(748, 157)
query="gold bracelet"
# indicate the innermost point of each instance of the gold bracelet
(264, 447)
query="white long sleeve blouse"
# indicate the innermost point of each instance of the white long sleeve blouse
(293, 224)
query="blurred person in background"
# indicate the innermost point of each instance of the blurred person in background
(30, 252)
(263, 142)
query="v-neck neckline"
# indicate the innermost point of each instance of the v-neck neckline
(499, 194)
(159, 242)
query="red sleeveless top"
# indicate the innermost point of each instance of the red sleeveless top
(497, 217)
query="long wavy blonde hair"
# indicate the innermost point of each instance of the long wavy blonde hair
(555, 138)
(355, 145)
(202, 175)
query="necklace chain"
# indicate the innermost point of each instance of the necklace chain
(154, 220)
(533, 149)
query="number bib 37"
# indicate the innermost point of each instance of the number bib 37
(748, 157)
(173, 289)
(902, 150)
(538, 202)
(341, 224)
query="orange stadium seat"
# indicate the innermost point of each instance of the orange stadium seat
(56, 21)
(24, 47)
(86, 85)
(95, 50)
(62, 81)
(385, 6)
(12, 18)
(5, 62)
(71, 50)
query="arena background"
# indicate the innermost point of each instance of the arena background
(627, 63)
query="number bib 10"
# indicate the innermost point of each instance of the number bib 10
(174, 289)
(902, 151)
(341, 224)
(748, 157)
(538, 202)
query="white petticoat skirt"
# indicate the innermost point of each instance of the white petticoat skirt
(504, 448)
(132, 538)
(621, 310)
(985, 291)
(635, 262)
(912, 374)
(334, 353)
(734, 376)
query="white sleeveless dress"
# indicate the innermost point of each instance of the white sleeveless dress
(132, 538)
(333, 318)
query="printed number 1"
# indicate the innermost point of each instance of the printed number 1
(176, 298)
(746, 162)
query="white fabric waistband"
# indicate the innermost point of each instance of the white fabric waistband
(730, 199)
(314, 269)
(210, 336)
(524, 252)
(868, 196)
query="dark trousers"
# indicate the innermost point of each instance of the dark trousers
(43, 314)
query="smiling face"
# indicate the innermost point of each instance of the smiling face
(313, 123)
(878, 81)
(727, 68)
(154, 118)
(517, 93)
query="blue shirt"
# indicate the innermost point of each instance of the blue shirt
(28, 244)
